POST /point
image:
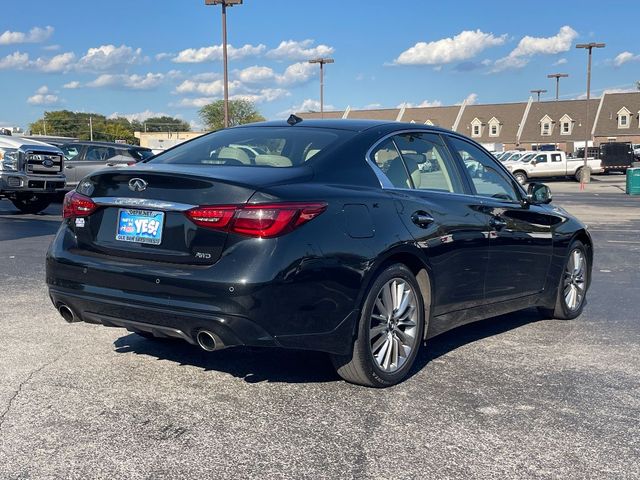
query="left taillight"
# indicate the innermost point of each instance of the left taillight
(261, 220)
(77, 205)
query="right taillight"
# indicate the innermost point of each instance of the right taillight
(261, 220)
(77, 205)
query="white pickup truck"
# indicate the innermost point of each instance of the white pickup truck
(550, 164)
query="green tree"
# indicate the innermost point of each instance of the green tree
(165, 124)
(241, 111)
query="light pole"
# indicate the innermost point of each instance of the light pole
(539, 91)
(558, 76)
(225, 4)
(322, 62)
(586, 177)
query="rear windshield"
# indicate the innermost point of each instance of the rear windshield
(255, 146)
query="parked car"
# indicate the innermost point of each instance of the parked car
(352, 250)
(551, 164)
(31, 173)
(83, 158)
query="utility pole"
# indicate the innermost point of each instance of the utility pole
(539, 91)
(586, 175)
(225, 4)
(91, 127)
(558, 76)
(322, 62)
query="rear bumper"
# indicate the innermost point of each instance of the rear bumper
(162, 321)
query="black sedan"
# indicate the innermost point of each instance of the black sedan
(337, 239)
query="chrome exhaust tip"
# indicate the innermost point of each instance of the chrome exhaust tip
(207, 340)
(67, 314)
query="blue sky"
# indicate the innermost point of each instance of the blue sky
(143, 57)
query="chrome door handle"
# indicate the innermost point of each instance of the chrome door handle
(422, 219)
(497, 222)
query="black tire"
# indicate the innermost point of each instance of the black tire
(560, 309)
(31, 203)
(360, 367)
(521, 177)
(578, 175)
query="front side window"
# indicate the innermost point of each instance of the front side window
(487, 178)
(542, 158)
(256, 147)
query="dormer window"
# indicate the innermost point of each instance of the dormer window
(494, 127)
(428, 122)
(546, 126)
(624, 118)
(566, 125)
(476, 127)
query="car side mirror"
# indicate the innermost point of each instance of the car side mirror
(533, 162)
(538, 194)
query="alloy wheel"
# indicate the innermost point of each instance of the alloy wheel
(393, 326)
(574, 281)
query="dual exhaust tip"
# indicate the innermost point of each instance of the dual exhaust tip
(207, 340)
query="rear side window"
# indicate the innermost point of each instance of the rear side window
(99, 154)
(279, 147)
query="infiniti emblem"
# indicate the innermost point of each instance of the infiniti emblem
(137, 184)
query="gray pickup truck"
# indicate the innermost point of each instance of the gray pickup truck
(30, 173)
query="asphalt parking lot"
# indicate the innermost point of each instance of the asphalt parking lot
(518, 396)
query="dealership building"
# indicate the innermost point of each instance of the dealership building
(614, 117)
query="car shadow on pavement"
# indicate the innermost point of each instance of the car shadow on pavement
(255, 365)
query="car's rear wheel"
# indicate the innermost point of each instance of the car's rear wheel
(572, 288)
(389, 333)
(578, 175)
(30, 202)
(521, 177)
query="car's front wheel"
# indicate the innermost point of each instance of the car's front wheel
(389, 333)
(30, 202)
(521, 177)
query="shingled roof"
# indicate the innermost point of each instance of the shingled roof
(575, 109)
(508, 114)
(612, 103)
(441, 116)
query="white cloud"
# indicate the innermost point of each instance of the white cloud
(264, 95)
(560, 61)
(51, 48)
(425, 103)
(35, 35)
(206, 77)
(256, 74)
(530, 46)
(43, 97)
(15, 60)
(198, 102)
(72, 85)
(463, 46)
(307, 105)
(472, 99)
(132, 82)
(303, 50)
(59, 63)
(625, 57)
(163, 55)
(106, 57)
(214, 88)
(214, 53)
(138, 116)
(372, 106)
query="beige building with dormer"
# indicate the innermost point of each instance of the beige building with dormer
(614, 117)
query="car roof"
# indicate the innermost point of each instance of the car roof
(346, 124)
(106, 144)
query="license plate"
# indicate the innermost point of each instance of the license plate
(140, 226)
